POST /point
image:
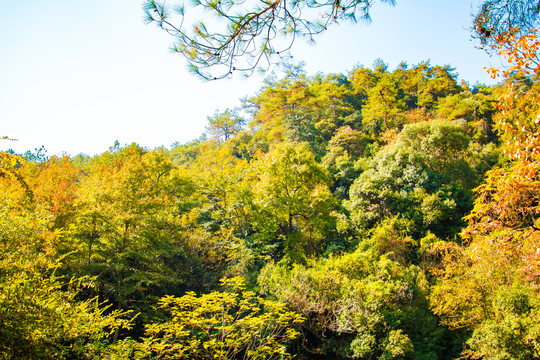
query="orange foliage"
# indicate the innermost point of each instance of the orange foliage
(417, 115)
(510, 199)
(56, 185)
(520, 120)
(521, 53)
(506, 215)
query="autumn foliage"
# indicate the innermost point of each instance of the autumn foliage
(375, 215)
(491, 288)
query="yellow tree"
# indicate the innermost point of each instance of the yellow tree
(56, 186)
(276, 100)
(229, 324)
(128, 225)
(216, 221)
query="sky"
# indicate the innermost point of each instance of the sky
(76, 76)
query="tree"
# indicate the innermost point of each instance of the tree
(360, 305)
(362, 79)
(292, 200)
(222, 126)
(56, 186)
(245, 37)
(42, 314)
(343, 151)
(425, 177)
(277, 100)
(332, 101)
(436, 82)
(299, 127)
(127, 226)
(228, 324)
(216, 220)
(476, 106)
(384, 104)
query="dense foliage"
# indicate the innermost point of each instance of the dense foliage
(375, 215)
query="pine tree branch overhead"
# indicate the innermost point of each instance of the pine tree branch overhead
(496, 17)
(245, 36)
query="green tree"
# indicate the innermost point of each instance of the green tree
(476, 106)
(384, 106)
(359, 305)
(292, 200)
(434, 83)
(332, 99)
(299, 126)
(425, 177)
(222, 126)
(343, 152)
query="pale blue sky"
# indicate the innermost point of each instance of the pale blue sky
(77, 75)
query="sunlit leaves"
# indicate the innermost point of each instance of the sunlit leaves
(520, 50)
(222, 325)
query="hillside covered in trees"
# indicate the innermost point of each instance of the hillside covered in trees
(382, 214)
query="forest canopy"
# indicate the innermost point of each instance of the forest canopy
(378, 214)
